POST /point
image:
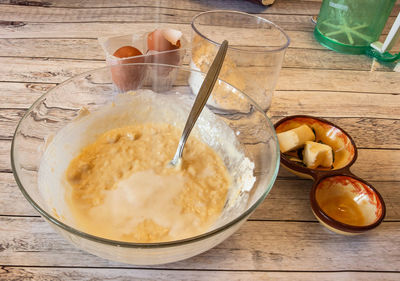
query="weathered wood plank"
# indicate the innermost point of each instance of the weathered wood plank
(319, 103)
(284, 6)
(9, 119)
(117, 274)
(11, 198)
(156, 11)
(341, 104)
(93, 30)
(16, 29)
(372, 164)
(258, 245)
(299, 28)
(56, 71)
(87, 30)
(366, 132)
(148, 12)
(62, 7)
(384, 162)
(43, 70)
(89, 49)
(5, 147)
(327, 59)
(115, 14)
(21, 95)
(288, 200)
(136, 14)
(299, 39)
(335, 104)
(123, 3)
(52, 48)
(338, 80)
(288, 23)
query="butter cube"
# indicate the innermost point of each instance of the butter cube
(295, 138)
(317, 154)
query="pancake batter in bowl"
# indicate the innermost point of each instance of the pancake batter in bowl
(115, 213)
(121, 187)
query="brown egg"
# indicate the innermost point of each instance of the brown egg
(128, 77)
(127, 51)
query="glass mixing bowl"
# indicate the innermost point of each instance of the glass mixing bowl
(72, 100)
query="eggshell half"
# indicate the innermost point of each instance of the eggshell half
(161, 40)
(164, 48)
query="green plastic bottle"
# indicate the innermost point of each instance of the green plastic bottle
(350, 26)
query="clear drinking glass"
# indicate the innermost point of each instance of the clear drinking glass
(256, 50)
(37, 138)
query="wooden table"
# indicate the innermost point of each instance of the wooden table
(45, 42)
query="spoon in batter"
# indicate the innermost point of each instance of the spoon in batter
(201, 100)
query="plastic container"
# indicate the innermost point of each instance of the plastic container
(350, 26)
(256, 50)
(129, 78)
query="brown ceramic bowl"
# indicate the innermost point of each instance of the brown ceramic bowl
(346, 204)
(341, 201)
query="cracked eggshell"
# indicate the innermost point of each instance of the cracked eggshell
(161, 40)
(167, 41)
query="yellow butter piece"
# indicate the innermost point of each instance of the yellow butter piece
(295, 138)
(317, 154)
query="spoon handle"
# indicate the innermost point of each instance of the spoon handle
(201, 99)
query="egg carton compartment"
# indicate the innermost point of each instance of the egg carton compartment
(127, 78)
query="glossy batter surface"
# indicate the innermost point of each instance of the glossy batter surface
(121, 187)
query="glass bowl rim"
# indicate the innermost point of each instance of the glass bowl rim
(124, 244)
(280, 48)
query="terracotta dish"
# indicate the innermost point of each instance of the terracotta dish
(341, 201)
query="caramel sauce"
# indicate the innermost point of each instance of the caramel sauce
(343, 209)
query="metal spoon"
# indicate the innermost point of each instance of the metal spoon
(201, 100)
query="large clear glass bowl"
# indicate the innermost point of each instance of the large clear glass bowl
(95, 89)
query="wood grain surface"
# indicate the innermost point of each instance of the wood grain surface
(45, 42)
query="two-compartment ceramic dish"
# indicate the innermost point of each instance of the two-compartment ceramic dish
(341, 201)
